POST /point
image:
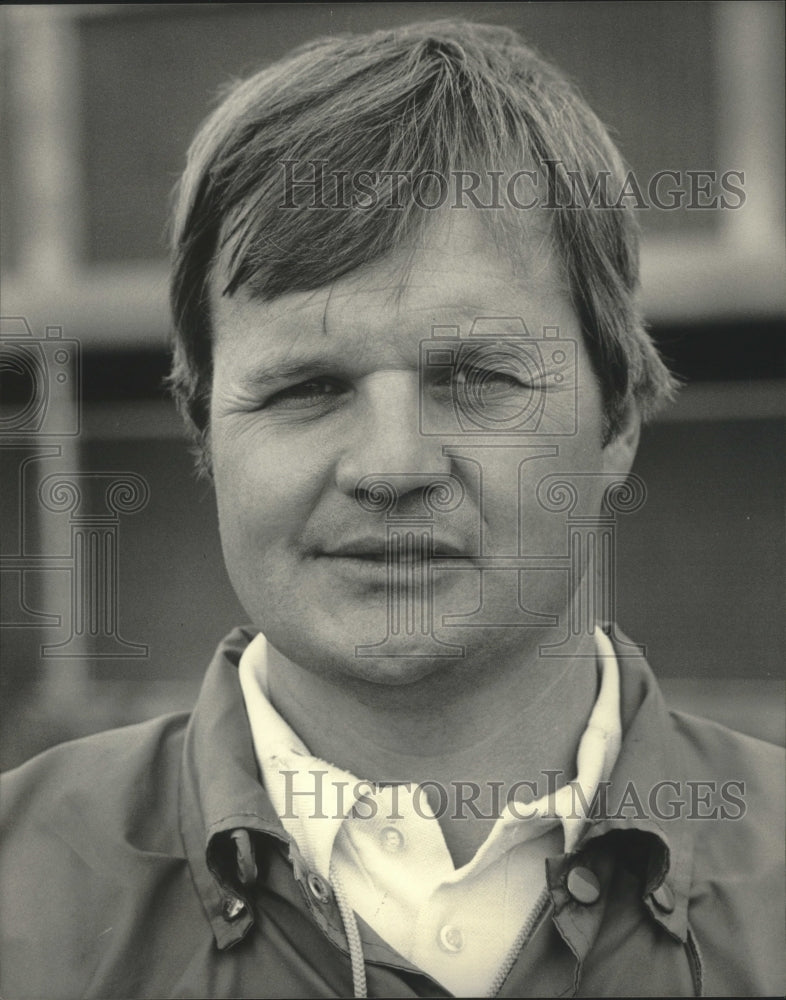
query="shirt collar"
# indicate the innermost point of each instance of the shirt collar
(313, 797)
(221, 791)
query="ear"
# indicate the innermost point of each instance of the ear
(619, 453)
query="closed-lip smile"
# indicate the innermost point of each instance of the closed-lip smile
(375, 549)
(369, 558)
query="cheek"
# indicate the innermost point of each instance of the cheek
(265, 493)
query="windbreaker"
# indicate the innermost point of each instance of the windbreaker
(149, 862)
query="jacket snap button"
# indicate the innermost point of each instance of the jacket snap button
(318, 888)
(663, 897)
(583, 885)
(233, 908)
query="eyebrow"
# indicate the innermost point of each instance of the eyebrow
(264, 374)
(267, 374)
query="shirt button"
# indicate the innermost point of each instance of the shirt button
(663, 898)
(391, 838)
(583, 885)
(318, 887)
(450, 938)
(233, 907)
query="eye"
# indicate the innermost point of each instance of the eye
(487, 381)
(311, 394)
(476, 376)
(497, 380)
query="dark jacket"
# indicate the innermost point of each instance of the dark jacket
(120, 875)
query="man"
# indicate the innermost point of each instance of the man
(408, 343)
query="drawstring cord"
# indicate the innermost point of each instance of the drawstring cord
(521, 939)
(247, 874)
(353, 934)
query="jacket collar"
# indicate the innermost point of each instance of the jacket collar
(649, 767)
(221, 792)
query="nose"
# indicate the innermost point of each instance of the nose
(386, 437)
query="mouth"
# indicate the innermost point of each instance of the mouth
(410, 546)
(413, 560)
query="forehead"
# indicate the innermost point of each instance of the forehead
(454, 274)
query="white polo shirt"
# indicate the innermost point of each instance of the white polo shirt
(386, 848)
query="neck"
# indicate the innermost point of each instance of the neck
(472, 732)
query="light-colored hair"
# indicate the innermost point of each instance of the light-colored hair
(424, 101)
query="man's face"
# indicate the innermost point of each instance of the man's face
(317, 395)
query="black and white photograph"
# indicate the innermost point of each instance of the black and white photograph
(393, 559)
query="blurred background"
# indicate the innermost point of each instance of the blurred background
(113, 588)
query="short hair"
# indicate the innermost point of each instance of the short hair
(423, 101)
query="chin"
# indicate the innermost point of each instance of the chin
(367, 655)
(394, 660)
(395, 671)
(406, 660)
